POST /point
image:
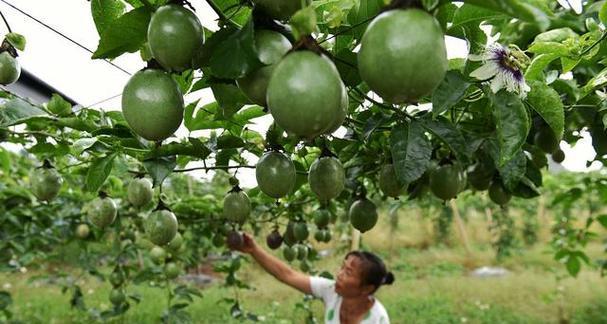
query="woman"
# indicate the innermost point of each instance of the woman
(349, 299)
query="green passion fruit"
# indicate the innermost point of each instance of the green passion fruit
(327, 178)
(140, 192)
(403, 55)
(102, 211)
(175, 36)
(271, 47)
(281, 9)
(275, 174)
(388, 182)
(363, 215)
(305, 94)
(161, 226)
(445, 182)
(45, 183)
(236, 206)
(10, 70)
(152, 104)
(498, 194)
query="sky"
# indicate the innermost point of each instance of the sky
(70, 69)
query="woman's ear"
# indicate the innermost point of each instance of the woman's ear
(368, 289)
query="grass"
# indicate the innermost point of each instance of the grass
(432, 286)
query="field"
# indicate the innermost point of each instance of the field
(433, 285)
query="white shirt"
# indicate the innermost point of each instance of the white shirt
(325, 289)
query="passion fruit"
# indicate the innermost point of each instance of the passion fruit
(152, 104)
(140, 192)
(102, 212)
(363, 214)
(275, 174)
(236, 206)
(445, 182)
(10, 70)
(271, 47)
(402, 55)
(388, 182)
(327, 178)
(161, 226)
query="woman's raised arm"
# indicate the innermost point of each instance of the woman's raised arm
(275, 266)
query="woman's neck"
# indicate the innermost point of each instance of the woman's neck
(357, 303)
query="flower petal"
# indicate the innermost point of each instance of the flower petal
(497, 84)
(486, 71)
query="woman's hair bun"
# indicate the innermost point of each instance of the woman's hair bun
(389, 279)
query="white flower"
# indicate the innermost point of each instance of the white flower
(503, 67)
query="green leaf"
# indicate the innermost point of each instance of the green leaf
(558, 35)
(597, 81)
(229, 97)
(346, 65)
(125, 34)
(573, 265)
(362, 15)
(236, 56)
(188, 114)
(547, 103)
(603, 14)
(535, 70)
(81, 145)
(105, 12)
(16, 111)
(449, 134)
(512, 124)
(517, 9)
(602, 219)
(552, 48)
(473, 14)
(160, 168)
(98, 171)
(5, 160)
(17, 40)
(411, 151)
(449, 92)
(229, 141)
(59, 106)
(513, 171)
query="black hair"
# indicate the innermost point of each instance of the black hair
(374, 270)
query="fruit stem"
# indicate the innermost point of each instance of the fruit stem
(309, 43)
(161, 205)
(46, 164)
(152, 64)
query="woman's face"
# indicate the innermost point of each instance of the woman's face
(348, 283)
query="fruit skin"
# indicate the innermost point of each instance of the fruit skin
(158, 254)
(102, 212)
(280, 9)
(305, 94)
(274, 240)
(289, 253)
(546, 140)
(289, 236)
(363, 215)
(175, 243)
(322, 218)
(172, 270)
(388, 182)
(116, 278)
(45, 183)
(82, 231)
(161, 226)
(302, 251)
(411, 48)
(558, 156)
(152, 104)
(445, 182)
(275, 174)
(10, 70)
(300, 231)
(117, 297)
(236, 206)
(234, 240)
(499, 194)
(175, 36)
(140, 192)
(327, 178)
(271, 47)
(342, 113)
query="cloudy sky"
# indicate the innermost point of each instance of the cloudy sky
(69, 68)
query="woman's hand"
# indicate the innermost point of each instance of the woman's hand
(249, 244)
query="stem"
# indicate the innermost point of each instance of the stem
(348, 29)
(216, 167)
(220, 13)
(595, 44)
